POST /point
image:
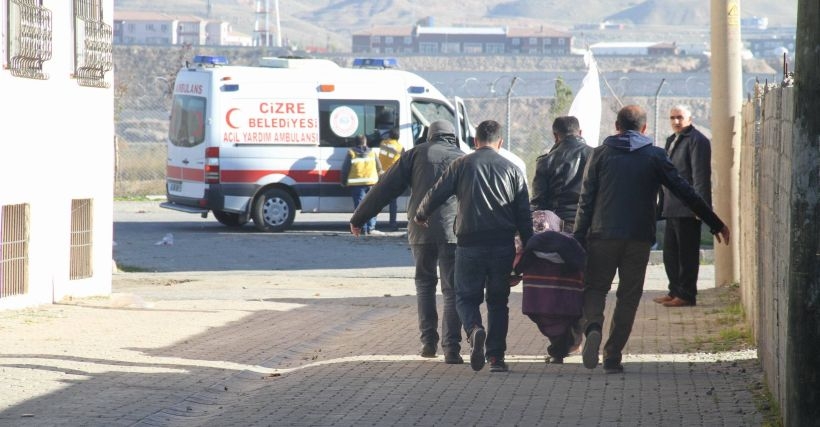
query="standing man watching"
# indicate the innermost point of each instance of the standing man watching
(616, 223)
(691, 153)
(558, 174)
(389, 152)
(493, 204)
(433, 246)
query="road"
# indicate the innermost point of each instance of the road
(316, 244)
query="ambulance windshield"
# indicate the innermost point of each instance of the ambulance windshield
(426, 112)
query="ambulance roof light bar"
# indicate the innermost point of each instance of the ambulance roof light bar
(375, 63)
(210, 60)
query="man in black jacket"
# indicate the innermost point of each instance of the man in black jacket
(432, 246)
(558, 174)
(691, 153)
(616, 222)
(493, 204)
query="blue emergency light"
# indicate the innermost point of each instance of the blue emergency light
(375, 63)
(210, 60)
(416, 89)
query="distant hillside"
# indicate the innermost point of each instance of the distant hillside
(330, 23)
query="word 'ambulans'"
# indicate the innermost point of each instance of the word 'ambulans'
(263, 142)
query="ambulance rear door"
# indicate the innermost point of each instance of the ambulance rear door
(188, 138)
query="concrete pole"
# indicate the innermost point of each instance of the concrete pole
(508, 142)
(727, 102)
(658, 140)
(803, 345)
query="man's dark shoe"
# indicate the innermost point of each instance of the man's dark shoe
(477, 338)
(428, 350)
(453, 358)
(498, 365)
(613, 366)
(552, 360)
(591, 346)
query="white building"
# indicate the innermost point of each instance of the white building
(633, 49)
(150, 28)
(57, 158)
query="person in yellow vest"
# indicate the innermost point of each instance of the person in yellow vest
(389, 152)
(360, 172)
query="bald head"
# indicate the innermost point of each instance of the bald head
(631, 117)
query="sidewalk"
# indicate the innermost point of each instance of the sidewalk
(277, 348)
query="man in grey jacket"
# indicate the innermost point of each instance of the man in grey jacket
(493, 204)
(691, 153)
(432, 246)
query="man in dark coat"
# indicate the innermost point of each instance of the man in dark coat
(616, 222)
(558, 174)
(433, 246)
(691, 153)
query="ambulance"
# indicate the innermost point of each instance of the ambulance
(261, 143)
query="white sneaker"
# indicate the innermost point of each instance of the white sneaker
(376, 233)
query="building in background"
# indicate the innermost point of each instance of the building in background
(58, 157)
(149, 28)
(634, 49)
(431, 40)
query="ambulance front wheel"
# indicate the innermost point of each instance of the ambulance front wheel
(273, 211)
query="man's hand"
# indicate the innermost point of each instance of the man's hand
(722, 236)
(420, 222)
(355, 230)
(514, 279)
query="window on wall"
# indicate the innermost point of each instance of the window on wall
(28, 38)
(81, 241)
(494, 48)
(14, 239)
(341, 121)
(93, 40)
(428, 47)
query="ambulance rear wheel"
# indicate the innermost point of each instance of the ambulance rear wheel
(273, 211)
(229, 219)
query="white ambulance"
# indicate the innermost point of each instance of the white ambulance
(263, 142)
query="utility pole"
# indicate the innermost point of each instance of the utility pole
(727, 102)
(803, 337)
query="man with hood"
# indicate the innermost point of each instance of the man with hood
(616, 224)
(433, 246)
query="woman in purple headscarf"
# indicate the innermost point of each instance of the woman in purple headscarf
(552, 266)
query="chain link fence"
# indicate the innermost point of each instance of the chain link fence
(143, 106)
